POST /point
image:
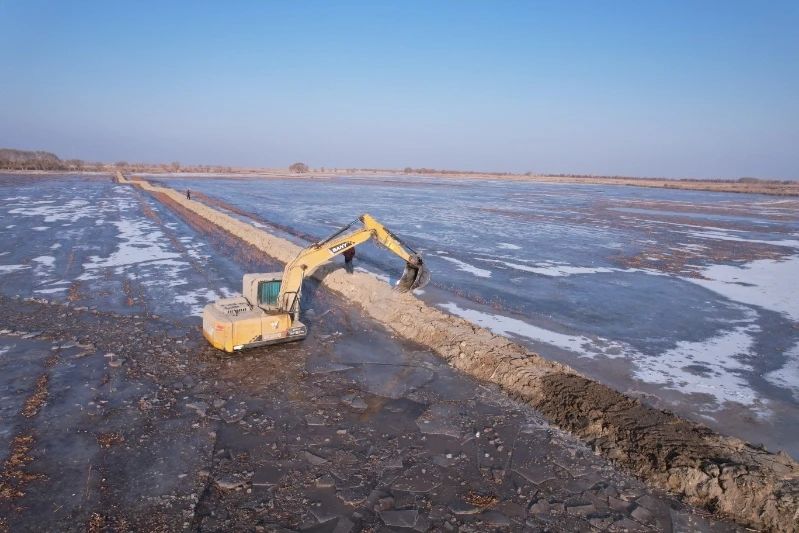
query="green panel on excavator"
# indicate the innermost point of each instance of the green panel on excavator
(268, 292)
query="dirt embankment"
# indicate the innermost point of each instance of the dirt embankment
(725, 475)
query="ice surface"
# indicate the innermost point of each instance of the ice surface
(766, 283)
(72, 210)
(466, 267)
(139, 243)
(45, 260)
(51, 290)
(503, 325)
(725, 236)
(554, 269)
(787, 376)
(381, 277)
(5, 269)
(711, 366)
(708, 366)
(198, 299)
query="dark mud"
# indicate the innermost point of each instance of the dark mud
(146, 431)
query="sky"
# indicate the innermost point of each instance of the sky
(654, 88)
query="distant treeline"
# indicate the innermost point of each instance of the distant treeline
(11, 159)
(37, 160)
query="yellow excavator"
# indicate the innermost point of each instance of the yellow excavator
(268, 312)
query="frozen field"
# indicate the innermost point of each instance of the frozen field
(117, 413)
(686, 299)
(103, 246)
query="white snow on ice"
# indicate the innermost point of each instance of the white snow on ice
(46, 261)
(5, 269)
(787, 376)
(466, 267)
(554, 269)
(717, 354)
(767, 283)
(70, 211)
(504, 325)
(139, 243)
(381, 277)
(717, 358)
(198, 299)
(51, 290)
(724, 236)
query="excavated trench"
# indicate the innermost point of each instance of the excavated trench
(727, 476)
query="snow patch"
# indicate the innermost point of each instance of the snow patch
(46, 261)
(381, 277)
(139, 244)
(51, 290)
(554, 269)
(466, 267)
(723, 236)
(5, 269)
(197, 300)
(766, 283)
(503, 325)
(787, 376)
(717, 371)
(710, 366)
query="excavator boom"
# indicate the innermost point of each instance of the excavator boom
(415, 274)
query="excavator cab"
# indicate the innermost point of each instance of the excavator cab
(262, 290)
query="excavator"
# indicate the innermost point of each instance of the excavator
(268, 311)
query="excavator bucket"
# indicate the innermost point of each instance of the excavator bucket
(415, 276)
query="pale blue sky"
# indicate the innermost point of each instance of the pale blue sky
(684, 89)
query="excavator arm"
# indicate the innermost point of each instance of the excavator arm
(311, 258)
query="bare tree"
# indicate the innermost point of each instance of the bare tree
(298, 168)
(75, 164)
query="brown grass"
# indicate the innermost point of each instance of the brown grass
(13, 476)
(106, 440)
(35, 402)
